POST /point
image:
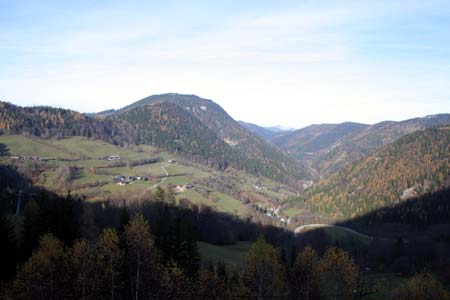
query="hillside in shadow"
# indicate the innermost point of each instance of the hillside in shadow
(409, 237)
(429, 213)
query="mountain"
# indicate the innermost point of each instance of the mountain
(329, 147)
(366, 142)
(266, 133)
(261, 156)
(279, 129)
(46, 122)
(416, 164)
(190, 126)
(306, 141)
(168, 126)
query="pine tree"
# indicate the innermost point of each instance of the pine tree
(110, 257)
(263, 276)
(176, 285)
(45, 274)
(341, 272)
(143, 266)
(84, 269)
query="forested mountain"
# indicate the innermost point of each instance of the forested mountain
(265, 133)
(168, 126)
(416, 164)
(374, 137)
(196, 128)
(45, 122)
(329, 147)
(230, 131)
(309, 140)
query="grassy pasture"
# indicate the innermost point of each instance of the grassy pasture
(93, 176)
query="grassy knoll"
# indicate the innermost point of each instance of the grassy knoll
(217, 200)
(25, 146)
(337, 234)
(228, 204)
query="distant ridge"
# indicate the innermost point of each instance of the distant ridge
(266, 133)
(329, 147)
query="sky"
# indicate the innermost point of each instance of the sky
(289, 63)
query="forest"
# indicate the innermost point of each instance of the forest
(164, 125)
(58, 247)
(414, 165)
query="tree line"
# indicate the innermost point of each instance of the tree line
(163, 125)
(127, 264)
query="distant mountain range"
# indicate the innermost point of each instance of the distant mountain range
(304, 142)
(266, 133)
(328, 147)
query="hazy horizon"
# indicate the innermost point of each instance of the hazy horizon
(288, 64)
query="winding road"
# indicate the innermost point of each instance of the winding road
(162, 180)
(157, 184)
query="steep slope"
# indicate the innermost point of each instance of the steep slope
(167, 126)
(366, 142)
(415, 164)
(307, 141)
(266, 159)
(48, 122)
(163, 124)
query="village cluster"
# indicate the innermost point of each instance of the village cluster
(273, 213)
(124, 180)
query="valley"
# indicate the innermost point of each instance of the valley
(81, 166)
(225, 150)
(379, 192)
(192, 147)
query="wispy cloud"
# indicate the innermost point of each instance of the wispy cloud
(306, 63)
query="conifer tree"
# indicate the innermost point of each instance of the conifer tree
(340, 271)
(110, 257)
(45, 274)
(263, 276)
(143, 267)
(84, 270)
(304, 278)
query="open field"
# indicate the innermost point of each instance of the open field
(291, 212)
(79, 164)
(25, 146)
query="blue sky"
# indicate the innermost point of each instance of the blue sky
(290, 63)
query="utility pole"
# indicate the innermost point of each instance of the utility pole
(19, 200)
